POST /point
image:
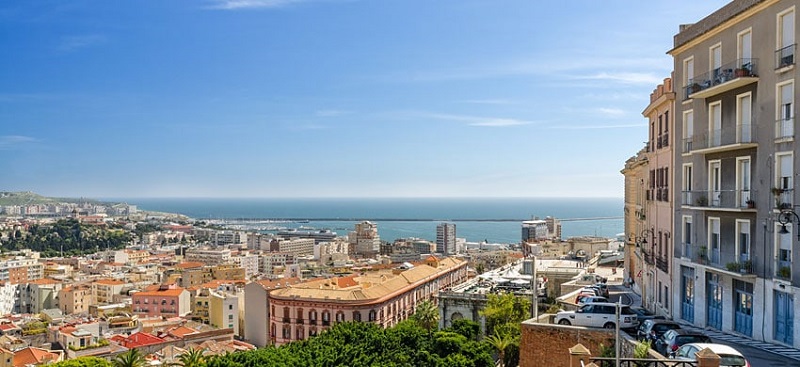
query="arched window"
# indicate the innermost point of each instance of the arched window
(371, 315)
(339, 316)
(356, 316)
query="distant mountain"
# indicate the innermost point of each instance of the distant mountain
(28, 198)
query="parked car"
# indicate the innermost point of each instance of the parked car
(729, 357)
(650, 330)
(598, 315)
(671, 340)
(645, 314)
(603, 288)
(582, 300)
(592, 289)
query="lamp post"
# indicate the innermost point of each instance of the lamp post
(788, 216)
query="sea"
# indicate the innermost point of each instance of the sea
(495, 220)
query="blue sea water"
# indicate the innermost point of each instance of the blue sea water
(410, 217)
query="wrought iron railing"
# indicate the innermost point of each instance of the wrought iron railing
(733, 70)
(785, 56)
(640, 362)
(728, 199)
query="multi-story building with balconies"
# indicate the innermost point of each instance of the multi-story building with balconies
(735, 72)
(654, 242)
(164, 300)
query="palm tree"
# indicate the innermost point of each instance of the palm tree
(427, 315)
(131, 358)
(501, 341)
(192, 358)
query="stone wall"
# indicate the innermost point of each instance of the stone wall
(548, 344)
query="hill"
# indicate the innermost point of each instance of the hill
(29, 197)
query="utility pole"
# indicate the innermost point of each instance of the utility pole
(616, 340)
(534, 290)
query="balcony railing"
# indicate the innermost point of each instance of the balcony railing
(784, 198)
(785, 56)
(742, 134)
(662, 262)
(723, 199)
(731, 71)
(783, 270)
(648, 257)
(784, 128)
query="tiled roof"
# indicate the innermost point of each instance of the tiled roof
(160, 293)
(33, 356)
(109, 281)
(190, 264)
(140, 339)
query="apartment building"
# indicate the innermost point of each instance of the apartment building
(654, 241)
(635, 173)
(364, 240)
(75, 299)
(296, 246)
(383, 297)
(104, 290)
(446, 238)
(163, 300)
(256, 303)
(208, 256)
(735, 217)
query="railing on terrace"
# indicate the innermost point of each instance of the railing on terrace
(733, 70)
(639, 362)
(726, 199)
(784, 128)
(784, 198)
(648, 257)
(785, 56)
(741, 134)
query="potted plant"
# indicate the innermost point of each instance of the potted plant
(746, 266)
(750, 203)
(701, 254)
(733, 266)
(785, 272)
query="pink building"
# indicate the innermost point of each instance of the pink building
(162, 300)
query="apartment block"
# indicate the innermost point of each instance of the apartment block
(735, 77)
(446, 238)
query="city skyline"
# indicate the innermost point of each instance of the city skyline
(283, 98)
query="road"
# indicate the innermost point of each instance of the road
(756, 356)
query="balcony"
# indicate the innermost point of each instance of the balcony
(784, 198)
(720, 140)
(784, 129)
(648, 256)
(727, 77)
(784, 270)
(662, 263)
(733, 200)
(784, 57)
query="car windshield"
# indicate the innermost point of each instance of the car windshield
(627, 311)
(732, 360)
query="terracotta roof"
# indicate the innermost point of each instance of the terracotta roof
(167, 292)
(182, 331)
(217, 283)
(8, 326)
(44, 281)
(190, 264)
(140, 339)
(109, 281)
(33, 356)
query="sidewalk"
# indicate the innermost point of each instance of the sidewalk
(714, 334)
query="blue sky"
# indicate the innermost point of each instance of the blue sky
(329, 98)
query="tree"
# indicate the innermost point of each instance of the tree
(131, 358)
(88, 361)
(192, 358)
(504, 314)
(501, 342)
(427, 316)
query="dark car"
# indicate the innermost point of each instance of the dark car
(671, 340)
(603, 288)
(645, 314)
(650, 330)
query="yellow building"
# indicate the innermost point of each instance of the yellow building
(75, 299)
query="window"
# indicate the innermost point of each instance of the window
(744, 118)
(715, 124)
(784, 181)
(786, 47)
(743, 180)
(714, 245)
(230, 307)
(686, 184)
(745, 46)
(688, 71)
(743, 240)
(715, 62)
(666, 297)
(785, 124)
(715, 182)
(688, 130)
(356, 316)
(686, 236)
(783, 244)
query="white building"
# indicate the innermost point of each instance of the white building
(365, 240)
(446, 238)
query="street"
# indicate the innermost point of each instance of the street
(756, 356)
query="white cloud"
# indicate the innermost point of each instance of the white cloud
(625, 78)
(615, 112)
(8, 142)
(481, 121)
(72, 43)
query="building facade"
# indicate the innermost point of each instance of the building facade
(446, 238)
(735, 220)
(384, 297)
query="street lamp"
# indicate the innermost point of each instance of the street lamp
(788, 216)
(644, 234)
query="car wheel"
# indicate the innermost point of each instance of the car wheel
(564, 322)
(609, 325)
